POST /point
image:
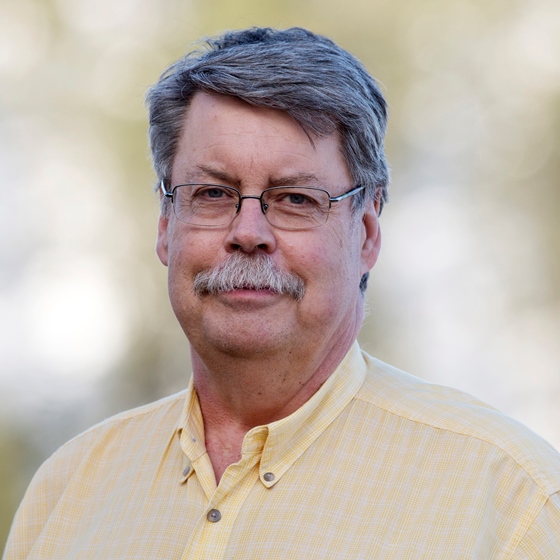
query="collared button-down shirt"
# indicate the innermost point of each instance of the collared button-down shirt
(377, 464)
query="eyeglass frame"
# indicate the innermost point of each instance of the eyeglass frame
(264, 207)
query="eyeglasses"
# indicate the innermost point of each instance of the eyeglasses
(292, 208)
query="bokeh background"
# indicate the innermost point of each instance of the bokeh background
(467, 291)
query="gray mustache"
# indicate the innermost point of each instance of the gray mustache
(254, 271)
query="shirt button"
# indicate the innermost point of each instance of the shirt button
(186, 471)
(214, 515)
(269, 477)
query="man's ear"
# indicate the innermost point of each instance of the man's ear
(371, 237)
(162, 241)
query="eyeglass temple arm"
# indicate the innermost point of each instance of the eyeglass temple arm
(164, 191)
(346, 195)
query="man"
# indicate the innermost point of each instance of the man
(289, 442)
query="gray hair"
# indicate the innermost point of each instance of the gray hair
(322, 86)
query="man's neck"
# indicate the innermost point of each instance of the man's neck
(236, 394)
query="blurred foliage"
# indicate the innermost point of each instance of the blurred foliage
(16, 457)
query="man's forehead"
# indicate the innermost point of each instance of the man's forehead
(222, 135)
(212, 106)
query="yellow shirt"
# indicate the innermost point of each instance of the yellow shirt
(377, 464)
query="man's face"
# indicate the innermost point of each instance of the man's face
(226, 141)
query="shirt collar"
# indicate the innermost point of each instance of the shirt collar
(284, 441)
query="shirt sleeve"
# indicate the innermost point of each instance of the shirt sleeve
(542, 540)
(41, 498)
(31, 516)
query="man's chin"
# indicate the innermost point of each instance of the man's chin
(246, 347)
(246, 325)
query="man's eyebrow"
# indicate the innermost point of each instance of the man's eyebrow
(296, 179)
(203, 172)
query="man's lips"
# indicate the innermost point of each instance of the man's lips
(248, 295)
(250, 291)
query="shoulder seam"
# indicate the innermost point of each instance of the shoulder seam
(126, 415)
(545, 492)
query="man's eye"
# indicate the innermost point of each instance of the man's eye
(297, 199)
(210, 193)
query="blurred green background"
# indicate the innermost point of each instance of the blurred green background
(467, 291)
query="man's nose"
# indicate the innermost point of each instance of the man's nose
(250, 229)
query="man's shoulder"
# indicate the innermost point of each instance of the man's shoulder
(427, 406)
(93, 462)
(119, 432)
(166, 410)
